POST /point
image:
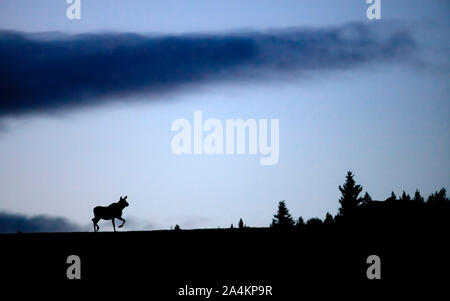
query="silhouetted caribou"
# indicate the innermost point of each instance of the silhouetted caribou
(111, 212)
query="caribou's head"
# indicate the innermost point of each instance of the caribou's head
(123, 201)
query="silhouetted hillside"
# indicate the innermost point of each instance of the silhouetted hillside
(409, 235)
(315, 252)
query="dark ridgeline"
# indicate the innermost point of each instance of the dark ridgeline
(409, 234)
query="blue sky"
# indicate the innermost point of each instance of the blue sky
(383, 115)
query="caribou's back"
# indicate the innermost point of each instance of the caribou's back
(108, 212)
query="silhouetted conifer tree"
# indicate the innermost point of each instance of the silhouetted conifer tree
(350, 191)
(418, 198)
(366, 199)
(283, 219)
(328, 219)
(392, 198)
(241, 224)
(405, 197)
(438, 198)
(299, 223)
(177, 228)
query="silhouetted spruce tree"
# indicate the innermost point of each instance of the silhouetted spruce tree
(328, 219)
(438, 198)
(350, 191)
(366, 199)
(241, 224)
(392, 198)
(283, 219)
(418, 198)
(405, 197)
(299, 223)
(177, 228)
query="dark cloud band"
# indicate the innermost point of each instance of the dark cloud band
(44, 72)
(13, 223)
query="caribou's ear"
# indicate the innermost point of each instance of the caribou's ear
(121, 198)
(125, 198)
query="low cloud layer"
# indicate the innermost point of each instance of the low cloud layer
(12, 223)
(46, 72)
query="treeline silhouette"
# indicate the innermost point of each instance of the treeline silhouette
(407, 233)
(355, 208)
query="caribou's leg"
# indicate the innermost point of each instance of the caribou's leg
(95, 221)
(114, 225)
(123, 221)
